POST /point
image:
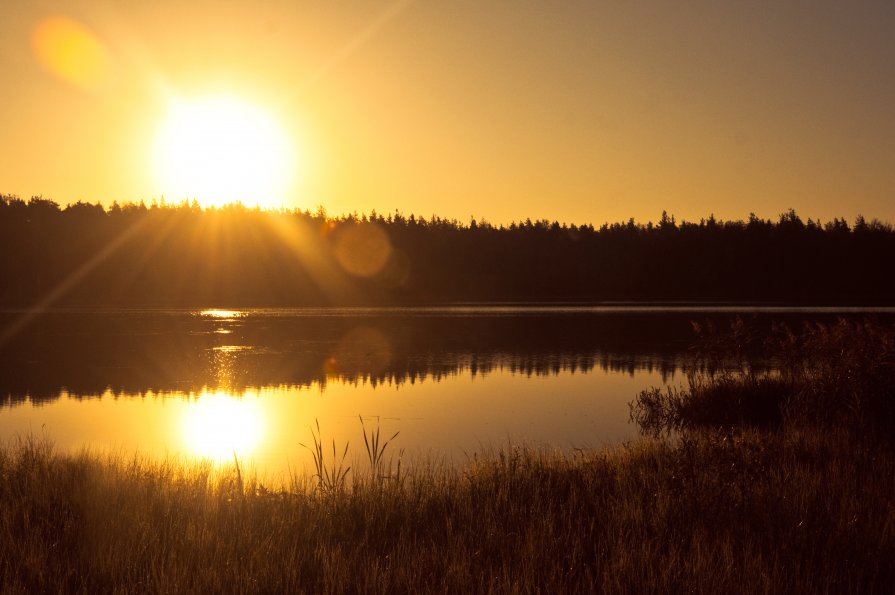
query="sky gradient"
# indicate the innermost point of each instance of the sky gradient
(576, 111)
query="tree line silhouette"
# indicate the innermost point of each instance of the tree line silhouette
(182, 255)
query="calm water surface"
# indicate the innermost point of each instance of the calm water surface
(453, 381)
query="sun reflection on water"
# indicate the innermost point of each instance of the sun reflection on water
(222, 314)
(218, 426)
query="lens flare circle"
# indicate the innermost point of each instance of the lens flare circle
(68, 50)
(363, 249)
(220, 150)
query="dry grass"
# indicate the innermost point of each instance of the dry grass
(826, 376)
(712, 512)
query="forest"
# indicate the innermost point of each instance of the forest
(182, 255)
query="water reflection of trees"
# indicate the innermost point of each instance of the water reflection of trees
(482, 365)
(87, 354)
(243, 375)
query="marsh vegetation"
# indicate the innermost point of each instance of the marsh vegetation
(729, 502)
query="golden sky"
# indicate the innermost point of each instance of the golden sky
(584, 111)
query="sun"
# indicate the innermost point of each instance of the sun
(220, 150)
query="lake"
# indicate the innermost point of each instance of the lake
(453, 381)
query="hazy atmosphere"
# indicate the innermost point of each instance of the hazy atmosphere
(447, 297)
(578, 111)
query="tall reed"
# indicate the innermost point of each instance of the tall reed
(376, 453)
(330, 478)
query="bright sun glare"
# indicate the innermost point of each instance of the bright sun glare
(220, 150)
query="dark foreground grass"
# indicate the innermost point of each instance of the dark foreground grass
(709, 513)
(776, 482)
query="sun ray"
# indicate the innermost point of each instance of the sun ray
(67, 284)
(355, 43)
